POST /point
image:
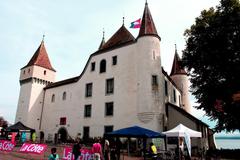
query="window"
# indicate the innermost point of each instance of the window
(109, 109)
(86, 132)
(179, 100)
(24, 72)
(103, 66)
(88, 91)
(110, 86)
(87, 110)
(153, 55)
(53, 98)
(174, 95)
(29, 70)
(64, 96)
(93, 66)
(154, 80)
(108, 129)
(63, 120)
(114, 60)
(44, 72)
(166, 88)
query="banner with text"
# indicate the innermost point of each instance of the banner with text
(6, 145)
(33, 148)
(86, 154)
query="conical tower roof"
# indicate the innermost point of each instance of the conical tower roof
(147, 24)
(102, 42)
(40, 58)
(177, 67)
(122, 36)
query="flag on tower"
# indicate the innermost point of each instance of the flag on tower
(136, 24)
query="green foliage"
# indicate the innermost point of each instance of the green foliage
(212, 57)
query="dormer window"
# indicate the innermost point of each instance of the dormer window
(103, 66)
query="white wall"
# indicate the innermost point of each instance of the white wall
(183, 84)
(30, 102)
(132, 96)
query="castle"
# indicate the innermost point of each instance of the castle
(122, 84)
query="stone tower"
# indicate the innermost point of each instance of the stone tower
(33, 78)
(180, 78)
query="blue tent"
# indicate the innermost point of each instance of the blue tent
(135, 131)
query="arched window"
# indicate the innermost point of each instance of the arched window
(64, 96)
(53, 98)
(103, 66)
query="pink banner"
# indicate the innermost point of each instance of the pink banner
(86, 154)
(33, 148)
(6, 145)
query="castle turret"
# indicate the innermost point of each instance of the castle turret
(149, 78)
(102, 42)
(180, 78)
(33, 78)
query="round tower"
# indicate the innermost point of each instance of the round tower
(33, 78)
(150, 107)
(180, 78)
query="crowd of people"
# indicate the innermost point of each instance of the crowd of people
(101, 149)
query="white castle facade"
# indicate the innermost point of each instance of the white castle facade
(122, 84)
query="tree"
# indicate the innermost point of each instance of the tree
(3, 123)
(212, 58)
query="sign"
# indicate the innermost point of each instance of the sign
(33, 148)
(86, 154)
(6, 145)
(188, 142)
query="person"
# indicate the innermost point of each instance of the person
(118, 148)
(76, 149)
(34, 137)
(97, 149)
(153, 151)
(106, 150)
(53, 155)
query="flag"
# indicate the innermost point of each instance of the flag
(136, 24)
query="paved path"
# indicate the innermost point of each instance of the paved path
(8, 156)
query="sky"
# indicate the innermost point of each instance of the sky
(73, 30)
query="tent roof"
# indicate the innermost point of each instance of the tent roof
(135, 131)
(180, 130)
(19, 127)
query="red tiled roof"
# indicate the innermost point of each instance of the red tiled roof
(177, 67)
(147, 25)
(40, 58)
(122, 36)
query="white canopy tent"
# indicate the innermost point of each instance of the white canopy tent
(181, 130)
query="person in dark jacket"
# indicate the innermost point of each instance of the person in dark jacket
(76, 149)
